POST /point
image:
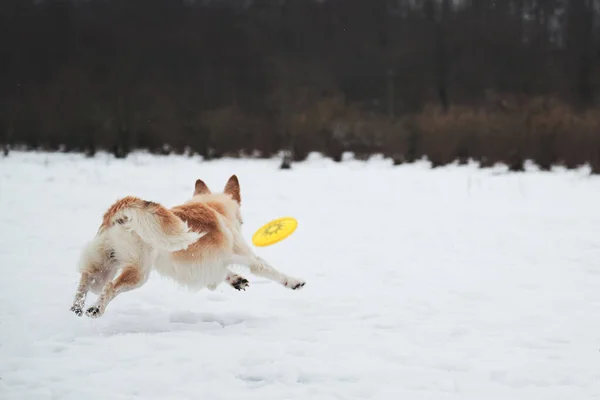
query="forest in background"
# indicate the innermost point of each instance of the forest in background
(489, 80)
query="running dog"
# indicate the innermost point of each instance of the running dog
(192, 243)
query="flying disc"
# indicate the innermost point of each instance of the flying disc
(274, 231)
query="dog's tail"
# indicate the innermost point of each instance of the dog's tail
(154, 224)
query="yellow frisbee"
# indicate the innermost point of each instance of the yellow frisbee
(274, 231)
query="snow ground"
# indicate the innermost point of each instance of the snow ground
(455, 283)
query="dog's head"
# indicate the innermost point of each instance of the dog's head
(231, 192)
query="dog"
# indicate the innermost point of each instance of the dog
(192, 243)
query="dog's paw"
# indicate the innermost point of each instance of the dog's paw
(93, 312)
(294, 284)
(77, 310)
(239, 283)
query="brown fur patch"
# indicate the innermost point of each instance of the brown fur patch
(130, 276)
(201, 188)
(200, 218)
(168, 220)
(232, 188)
(218, 207)
(119, 205)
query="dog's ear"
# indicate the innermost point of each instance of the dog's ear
(232, 188)
(201, 188)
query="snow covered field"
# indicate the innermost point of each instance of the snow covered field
(455, 283)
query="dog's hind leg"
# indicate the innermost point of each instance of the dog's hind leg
(131, 277)
(85, 282)
(93, 266)
(92, 280)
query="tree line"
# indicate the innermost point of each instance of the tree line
(489, 80)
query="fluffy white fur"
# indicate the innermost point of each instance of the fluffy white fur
(149, 229)
(120, 257)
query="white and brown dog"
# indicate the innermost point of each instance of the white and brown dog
(193, 243)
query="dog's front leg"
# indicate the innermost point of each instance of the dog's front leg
(260, 267)
(243, 254)
(237, 282)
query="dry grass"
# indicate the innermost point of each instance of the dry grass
(542, 130)
(507, 130)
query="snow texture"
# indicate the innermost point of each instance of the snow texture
(453, 283)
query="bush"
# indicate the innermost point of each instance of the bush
(543, 130)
